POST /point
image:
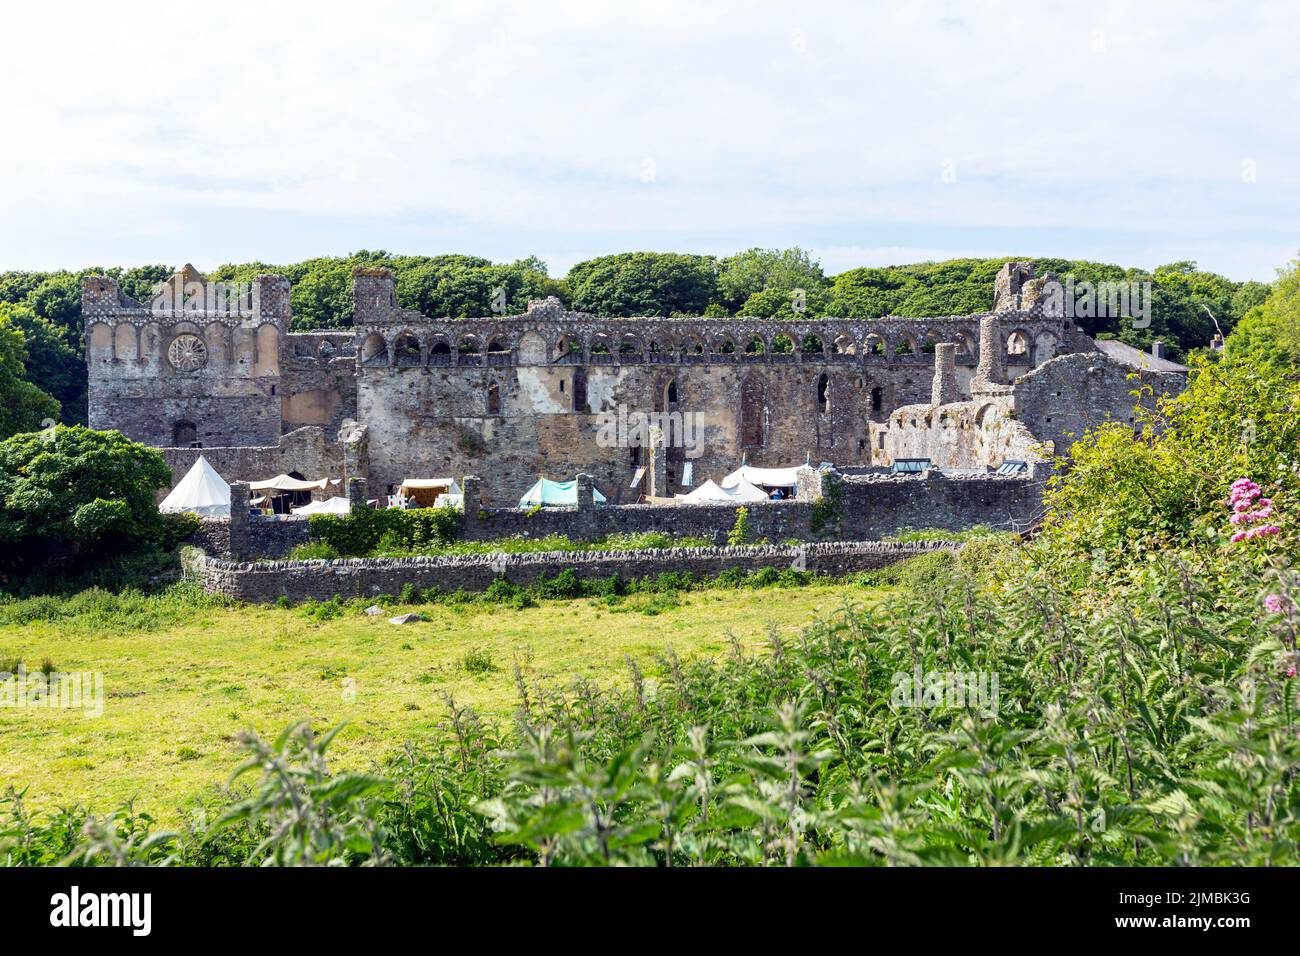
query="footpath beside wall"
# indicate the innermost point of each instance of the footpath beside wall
(260, 582)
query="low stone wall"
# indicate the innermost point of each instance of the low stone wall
(370, 577)
(830, 507)
(774, 520)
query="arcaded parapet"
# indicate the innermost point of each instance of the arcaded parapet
(512, 397)
(199, 363)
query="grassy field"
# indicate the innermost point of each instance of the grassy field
(181, 682)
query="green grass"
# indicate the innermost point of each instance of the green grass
(184, 673)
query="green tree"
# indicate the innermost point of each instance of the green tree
(52, 363)
(23, 406)
(70, 494)
(744, 275)
(644, 283)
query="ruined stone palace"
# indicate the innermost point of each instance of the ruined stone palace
(508, 398)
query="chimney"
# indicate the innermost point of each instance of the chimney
(1158, 350)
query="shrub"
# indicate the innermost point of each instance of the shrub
(739, 533)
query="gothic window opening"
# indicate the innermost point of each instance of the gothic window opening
(877, 399)
(580, 390)
(823, 395)
(494, 399)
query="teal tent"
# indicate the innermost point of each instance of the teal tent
(555, 494)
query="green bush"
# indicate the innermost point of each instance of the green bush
(72, 498)
(360, 533)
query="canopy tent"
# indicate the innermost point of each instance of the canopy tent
(555, 494)
(425, 492)
(742, 492)
(202, 491)
(331, 506)
(283, 483)
(764, 477)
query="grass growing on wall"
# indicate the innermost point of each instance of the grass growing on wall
(390, 545)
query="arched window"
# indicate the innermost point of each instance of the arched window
(494, 399)
(823, 394)
(670, 393)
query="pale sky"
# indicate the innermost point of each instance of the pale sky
(871, 134)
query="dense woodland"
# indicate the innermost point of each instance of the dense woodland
(42, 372)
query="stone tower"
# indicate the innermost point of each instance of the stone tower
(944, 389)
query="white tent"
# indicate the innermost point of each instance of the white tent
(764, 477)
(742, 492)
(331, 506)
(284, 483)
(201, 491)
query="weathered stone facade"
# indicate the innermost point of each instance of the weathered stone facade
(261, 582)
(559, 393)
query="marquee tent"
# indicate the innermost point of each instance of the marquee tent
(202, 491)
(283, 483)
(742, 492)
(764, 477)
(331, 506)
(425, 492)
(555, 494)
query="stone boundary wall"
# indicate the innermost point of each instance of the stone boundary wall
(831, 507)
(261, 582)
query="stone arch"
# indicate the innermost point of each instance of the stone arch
(965, 343)
(629, 344)
(753, 412)
(875, 344)
(601, 344)
(811, 344)
(531, 349)
(844, 344)
(301, 347)
(100, 343)
(439, 349)
(567, 345)
(725, 345)
(126, 343)
(374, 350)
(1018, 343)
(906, 344)
(691, 344)
(406, 349)
(469, 346)
(987, 415)
(755, 348)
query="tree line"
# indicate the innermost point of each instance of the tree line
(42, 367)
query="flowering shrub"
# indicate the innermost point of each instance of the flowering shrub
(1248, 508)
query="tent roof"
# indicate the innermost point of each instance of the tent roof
(738, 493)
(428, 482)
(769, 477)
(202, 491)
(555, 493)
(285, 483)
(331, 506)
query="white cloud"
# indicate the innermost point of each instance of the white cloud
(503, 129)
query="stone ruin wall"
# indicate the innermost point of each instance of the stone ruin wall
(378, 578)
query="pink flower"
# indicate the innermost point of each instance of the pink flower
(1274, 603)
(1290, 671)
